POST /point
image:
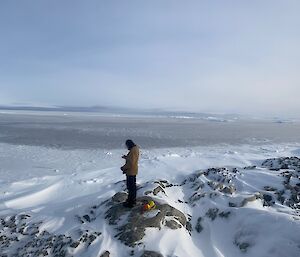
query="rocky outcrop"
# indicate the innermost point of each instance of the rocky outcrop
(131, 224)
(21, 237)
(292, 163)
(290, 195)
(160, 187)
(244, 240)
(211, 182)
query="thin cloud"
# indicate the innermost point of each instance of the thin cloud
(228, 56)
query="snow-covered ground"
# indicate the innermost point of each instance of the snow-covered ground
(61, 188)
(55, 187)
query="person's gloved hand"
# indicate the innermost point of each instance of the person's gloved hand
(122, 169)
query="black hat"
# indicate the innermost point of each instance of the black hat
(129, 143)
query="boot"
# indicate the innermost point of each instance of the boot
(129, 204)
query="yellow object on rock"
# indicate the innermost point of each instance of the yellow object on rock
(151, 204)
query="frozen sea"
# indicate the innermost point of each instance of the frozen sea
(104, 131)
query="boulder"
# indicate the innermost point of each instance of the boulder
(158, 189)
(120, 197)
(198, 226)
(132, 223)
(105, 254)
(151, 254)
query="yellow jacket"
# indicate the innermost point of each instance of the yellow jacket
(132, 158)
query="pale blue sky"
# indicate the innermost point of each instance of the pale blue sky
(213, 56)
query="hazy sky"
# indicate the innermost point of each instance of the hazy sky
(216, 56)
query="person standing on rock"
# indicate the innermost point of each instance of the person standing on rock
(130, 169)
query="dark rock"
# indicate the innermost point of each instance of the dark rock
(281, 199)
(268, 188)
(196, 197)
(284, 166)
(119, 197)
(232, 204)
(197, 185)
(158, 189)
(92, 238)
(162, 183)
(228, 190)
(75, 244)
(198, 226)
(87, 218)
(171, 185)
(224, 214)
(274, 169)
(213, 195)
(114, 214)
(172, 224)
(212, 213)
(244, 246)
(250, 167)
(189, 227)
(105, 254)
(267, 197)
(151, 254)
(134, 229)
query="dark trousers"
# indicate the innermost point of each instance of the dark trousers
(131, 186)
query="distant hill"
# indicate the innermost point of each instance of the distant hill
(124, 111)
